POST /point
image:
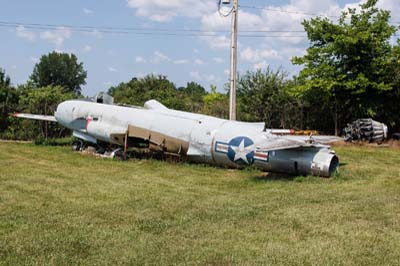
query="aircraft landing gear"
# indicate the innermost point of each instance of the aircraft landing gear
(120, 154)
(77, 145)
(100, 149)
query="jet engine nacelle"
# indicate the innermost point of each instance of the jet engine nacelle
(303, 161)
(325, 163)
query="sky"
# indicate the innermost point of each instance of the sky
(185, 40)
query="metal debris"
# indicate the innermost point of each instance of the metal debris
(365, 129)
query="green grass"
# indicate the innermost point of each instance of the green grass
(58, 207)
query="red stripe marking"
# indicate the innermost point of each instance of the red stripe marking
(88, 120)
(261, 155)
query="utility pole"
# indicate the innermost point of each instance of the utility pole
(232, 93)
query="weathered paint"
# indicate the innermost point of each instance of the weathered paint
(211, 139)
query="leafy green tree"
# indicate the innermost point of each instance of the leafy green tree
(391, 112)
(192, 95)
(264, 96)
(41, 101)
(216, 103)
(348, 61)
(59, 69)
(8, 100)
(138, 91)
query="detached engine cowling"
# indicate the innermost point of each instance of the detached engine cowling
(366, 130)
(325, 163)
(303, 161)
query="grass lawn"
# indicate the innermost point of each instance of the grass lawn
(58, 207)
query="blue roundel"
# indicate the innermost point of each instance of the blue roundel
(241, 150)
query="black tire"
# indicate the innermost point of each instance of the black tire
(100, 150)
(120, 155)
(77, 145)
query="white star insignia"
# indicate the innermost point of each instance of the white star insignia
(241, 151)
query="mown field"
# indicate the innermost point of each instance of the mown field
(58, 207)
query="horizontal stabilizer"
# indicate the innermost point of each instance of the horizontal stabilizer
(36, 117)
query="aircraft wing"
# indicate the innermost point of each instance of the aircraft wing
(36, 117)
(294, 142)
(284, 143)
(321, 139)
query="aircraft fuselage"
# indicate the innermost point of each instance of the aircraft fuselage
(198, 137)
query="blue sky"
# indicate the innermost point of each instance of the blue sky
(110, 58)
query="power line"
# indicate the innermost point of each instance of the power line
(126, 29)
(141, 31)
(297, 12)
(287, 11)
(157, 31)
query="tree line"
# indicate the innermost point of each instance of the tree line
(351, 70)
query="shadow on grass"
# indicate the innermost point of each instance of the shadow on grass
(269, 177)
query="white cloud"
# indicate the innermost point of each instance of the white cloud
(140, 59)
(250, 55)
(212, 78)
(111, 69)
(57, 37)
(199, 62)
(111, 52)
(227, 72)
(204, 77)
(260, 65)
(213, 21)
(165, 10)
(87, 48)
(217, 42)
(140, 75)
(295, 12)
(159, 57)
(218, 60)
(88, 11)
(23, 33)
(34, 59)
(181, 61)
(393, 6)
(94, 33)
(195, 75)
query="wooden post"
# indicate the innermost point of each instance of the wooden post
(126, 142)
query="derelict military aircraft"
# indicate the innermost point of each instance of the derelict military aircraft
(197, 137)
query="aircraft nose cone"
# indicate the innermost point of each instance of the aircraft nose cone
(63, 113)
(58, 112)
